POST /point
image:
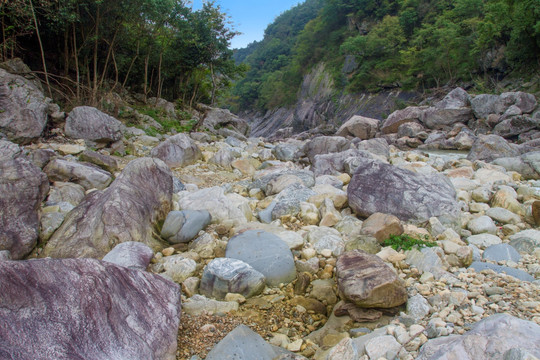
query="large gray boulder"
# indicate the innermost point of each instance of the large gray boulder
(399, 117)
(87, 175)
(325, 145)
(23, 187)
(528, 165)
(379, 187)
(334, 163)
(222, 118)
(491, 147)
(488, 339)
(515, 126)
(86, 309)
(129, 210)
(183, 226)
(454, 108)
(131, 254)
(222, 276)
(485, 104)
(178, 150)
(367, 281)
(24, 108)
(266, 253)
(359, 126)
(88, 123)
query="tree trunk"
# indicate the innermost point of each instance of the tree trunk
(213, 97)
(146, 61)
(159, 75)
(41, 49)
(111, 46)
(131, 65)
(76, 57)
(96, 42)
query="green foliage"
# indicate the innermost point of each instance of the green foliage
(406, 242)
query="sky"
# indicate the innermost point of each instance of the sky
(250, 17)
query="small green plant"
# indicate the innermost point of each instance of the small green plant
(406, 242)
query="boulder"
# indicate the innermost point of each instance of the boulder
(86, 309)
(222, 118)
(377, 146)
(87, 175)
(285, 151)
(382, 226)
(24, 108)
(525, 102)
(367, 281)
(491, 147)
(133, 255)
(410, 129)
(335, 163)
(177, 151)
(525, 241)
(106, 162)
(23, 187)
(379, 187)
(482, 224)
(488, 339)
(478, 266)
(443, 119)
(397, 118)
(515, 126)
(175, 268)
(484, 105)
(325, 145)
(129, 210)
(266, 253)
(88, 123)
(501, 252)
(243, 344)
(528, 164)
(483, 241)
(183, 226)
(222, 276)
(359, 126)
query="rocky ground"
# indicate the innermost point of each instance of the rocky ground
(285, 237)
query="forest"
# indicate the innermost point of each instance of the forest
(82, 49)
(372, 45)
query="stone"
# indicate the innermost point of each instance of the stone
(325, 238)
(427, 260)
(525, 241)
(65, 192)
(418, 307)
(378, 187)
(87, 175)
(399, 117)
(501, 252)
(133, 255)
(518, 354)
(222, 276)
(222, 207)
(176, 268)
(293, 239)
(484, 105)
(384, 346)
(280, 183)
(242, 344)
(222, 118)
(503, 216)
(527, 165)
(289, 200)
(177, 151)
(517, 273)
(523, 101)
(199, 305)
(483, 240)
(325, 145)
(382, 226)
(266, 253)
(336, 163)
(107, 163)
(410, 129)
(359, 126)
(125, 314)
(367, 281)
(24, 108)
(491, 147)
(515, 126)
(487, 339)
(183, 226)
(482, 224)
(323, 290)
(129, 210)
(88, 123)
(285, 151)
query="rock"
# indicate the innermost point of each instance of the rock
(359, 126)
(487, 339)
(87, 175)
(367, 281)
(501, 252)
(427, 260)
(523, 101)
(399, 117)
(378, 187)
(506, 198)
(125, 314)
(23, 187)
(24, 108)
(222, 118)
(382, 226)
(418, 307)
(518, 354)
(503, 216)
(224, 157)
(411, 130)
(288, 201)
(377, 146)
(484, 105)
(164, 105)
(293, 239)
(107, 163)
(515, 125)
(222, 207)
(482, 224)
(280, 183)
(133, 255)
(177, 151)
(88, 123)
(183, 226)
(483, 240)
(266, 253)
(65, 192)
(528, 165)
(129, 210)
(525, 241)
(335, 163)
(285, 151)
(325, 238)
(198, 305)
(222, 276)
(242, 344)
(175, 268)
(325, 145)
(491, 147)
(383, 347)
(323, 290)
(517, 273)
(49, 223)
(309, 304)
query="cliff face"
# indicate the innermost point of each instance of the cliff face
(318, 104)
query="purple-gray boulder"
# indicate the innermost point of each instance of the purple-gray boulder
(85, 122)
(86, 309)
(177, 151)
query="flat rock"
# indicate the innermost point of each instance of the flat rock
(23, 187)
(87, 175)
(491, 147)
(379, 187)
(183, 226)
(335, 163)
(178, 150)
(483, 240)
(367, 281)
(175, 268)
(106, 162)
(222, 276)
(503, 216)
(266, 253)
(517, 273)
(199, 304)
(129, 210)
(133, 255)
(86, 309)
(488, 339)
(526, 241)
(482, 224)
(85, 122)
(242, 344)
(501, 252)
(325, 145)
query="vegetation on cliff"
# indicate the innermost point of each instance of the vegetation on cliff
(380, 44)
